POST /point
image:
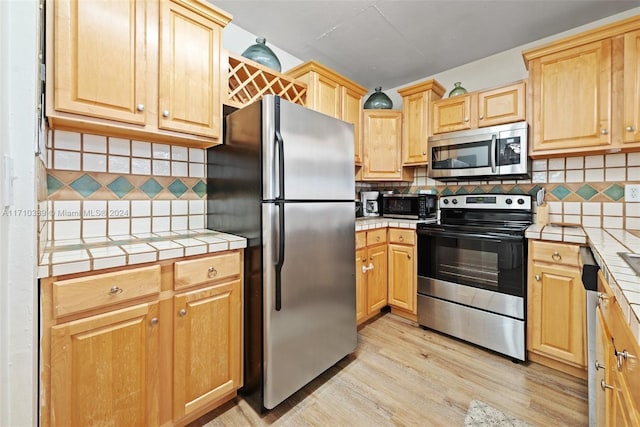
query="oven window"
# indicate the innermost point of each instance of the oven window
(495, 265)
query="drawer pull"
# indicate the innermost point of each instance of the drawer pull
(401, 238)
(115, 290)
(377, 238)
(556, 256)
(182, 312)
(154, 321)
(212, 272)
(604, 385)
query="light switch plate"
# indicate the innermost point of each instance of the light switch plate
(632, 193)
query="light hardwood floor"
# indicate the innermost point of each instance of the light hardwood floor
(404, 375)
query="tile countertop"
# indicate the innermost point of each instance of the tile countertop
(81, 255)
(370, 223)
(605, 245)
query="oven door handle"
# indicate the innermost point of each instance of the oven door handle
(439, 232)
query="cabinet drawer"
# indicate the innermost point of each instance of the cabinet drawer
(90, 292)
(406, 237)
(361, 239)
(555, 253)
(190, 273)
(378, 236)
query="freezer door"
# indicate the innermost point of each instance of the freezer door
(311, 152)
(314, 324)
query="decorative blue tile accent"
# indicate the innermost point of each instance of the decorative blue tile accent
(462, 190)
(177, 188)
(120, 186)
(534, 190)
(516, 190)
(497, 189)
(561, 192)
(615, 192)
(200, 189)
(53, 184)
(586, 192)
(447, 192)
(85, 185)
(477, 190)
(151, 188)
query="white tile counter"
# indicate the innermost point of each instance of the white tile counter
(81, 255)
(605, 245)
(370, 223)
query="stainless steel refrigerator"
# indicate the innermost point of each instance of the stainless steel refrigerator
(284, 179)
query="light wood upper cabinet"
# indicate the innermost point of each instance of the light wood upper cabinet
(334, 95)
(104, 367)
(496, 106)
(571, 96)
(142, 69)
(416, 101)
(207, 346)
(382, 149)
(502, 105)
(631, 88)
(100, 64)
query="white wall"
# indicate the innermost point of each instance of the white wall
(18, 286)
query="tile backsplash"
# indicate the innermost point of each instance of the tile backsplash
(584, 190)
(101, 186)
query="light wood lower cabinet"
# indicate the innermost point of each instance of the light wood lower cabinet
(617, 350)
(142, 346)
(371, 273)
(556, 321)
(402, 272)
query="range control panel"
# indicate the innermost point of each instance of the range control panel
(487, 201)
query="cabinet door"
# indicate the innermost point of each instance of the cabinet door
(100, 59)
(631, 94)
(502, 105)
(452, 114)
(377, 278)
(402, 277)
(104, 369)
(351, 112)
(415, 111)
(556, 322)
(382, 144)
(572, 98)
(361, 283)
(207, 346)
(189, 72)
(326, 96)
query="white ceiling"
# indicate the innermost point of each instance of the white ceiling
(392, 42)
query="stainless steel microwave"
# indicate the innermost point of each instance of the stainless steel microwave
(408, 206)
(497, 152)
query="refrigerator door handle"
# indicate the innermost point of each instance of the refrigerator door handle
(280, 261)
(280, 148)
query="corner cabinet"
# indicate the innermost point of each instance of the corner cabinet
(371, 273)
(556, 320)
(333, 94)
(403, 273)
(150, 71)
(584, 91)
(159, 344)
(416, 125)
(382, 147)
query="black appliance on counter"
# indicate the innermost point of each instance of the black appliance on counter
(472, 270)
(408, 206)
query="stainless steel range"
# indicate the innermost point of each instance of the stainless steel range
(472, 270)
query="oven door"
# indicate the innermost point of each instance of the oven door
(480, 259)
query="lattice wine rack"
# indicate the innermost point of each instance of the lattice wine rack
(248, 81)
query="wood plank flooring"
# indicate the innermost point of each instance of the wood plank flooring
(403, 375)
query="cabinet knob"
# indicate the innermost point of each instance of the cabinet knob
(182, 312)
(466, 119)
(630, 129)
(424, 153)
(212, 272)
(601, 298)
(537, 277)
(401, 238)
(165, 113)
(599, 366)
(604, 385)
(115, 290)
(621, 356)
(481, 117)
(556, 256)
(604, 131)
(140, 107)
(154, 321)
(377, 238)
(408, 256)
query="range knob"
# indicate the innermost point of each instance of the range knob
(521, 201)
(445, 201)
(508, 201)
(454, 201)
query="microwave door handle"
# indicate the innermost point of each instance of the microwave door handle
(494, 154)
